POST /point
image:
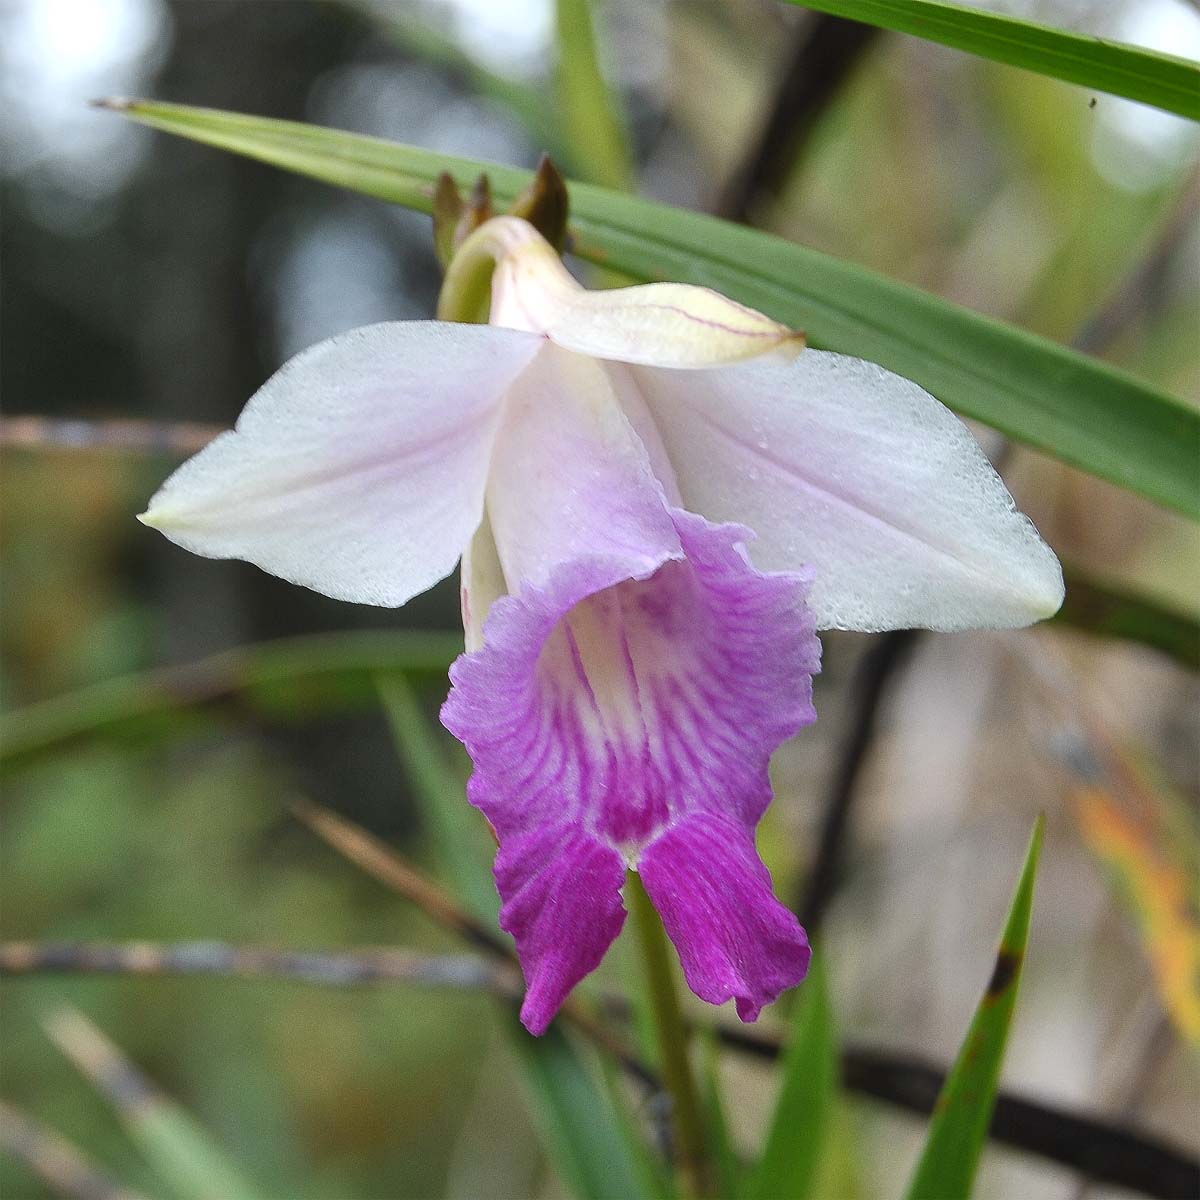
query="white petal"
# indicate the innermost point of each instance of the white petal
(571, 481)
(359, 468)
(840, 464)
(667, 325)
(657, 324)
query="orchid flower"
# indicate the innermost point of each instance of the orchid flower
(658, 496)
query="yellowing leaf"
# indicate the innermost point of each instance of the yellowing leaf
(1157, 892)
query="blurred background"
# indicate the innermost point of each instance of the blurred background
(144, 277)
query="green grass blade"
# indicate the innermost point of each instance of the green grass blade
(799, 1127)
(656, 1174)
(59, 1164)
(1075, 408)
(580, 1129)
(285, 679)
(1134, 72)
(182, 1152)
(458, 834)
(964, 1109)
(593, 126)
(724, 1155)
(576, 1119)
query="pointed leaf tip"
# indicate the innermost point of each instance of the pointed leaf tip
(544, 203)
(474, 211)
(960, 1122)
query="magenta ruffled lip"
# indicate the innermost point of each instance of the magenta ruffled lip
(619, 722)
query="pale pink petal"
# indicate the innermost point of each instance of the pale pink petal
(571, 478)
(602, 713)
(862, 475)
(359, 468)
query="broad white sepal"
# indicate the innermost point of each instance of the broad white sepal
(358, 469)
(846, 467)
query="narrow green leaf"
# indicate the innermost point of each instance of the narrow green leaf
(807, 1097)
(1134, 72)
(591, 120)
(724, 1156)
(964, 1109)
(59, 1164)
(459, 835)
(181, 1150)
(1075, 408)
(578, 1125)
(656, 1174)
(580, 1129)
(288, 678)
(1108, 611)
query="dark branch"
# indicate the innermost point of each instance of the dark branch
(1141, 291)
(875, 673)
(1086, 605)
(335, 968)
(826, 51)
(1106, 1152)
(394, 871)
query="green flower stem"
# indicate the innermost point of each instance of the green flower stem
(690, 1140)
(467, 289)
(466, 294)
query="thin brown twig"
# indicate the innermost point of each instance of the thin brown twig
(392, 870)
(173, 438)
(55, 1161)
(1107, 1152)
(340, 968)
